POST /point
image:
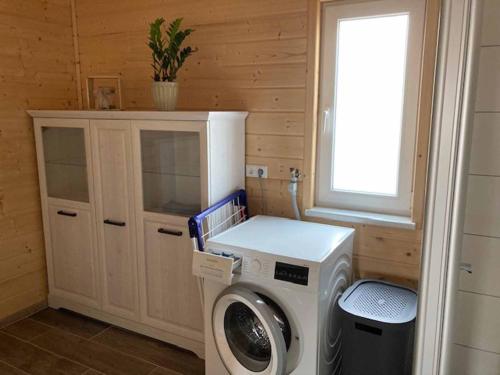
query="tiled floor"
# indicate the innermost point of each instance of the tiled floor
(54, 342)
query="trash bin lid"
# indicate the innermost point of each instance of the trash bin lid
(380, 301)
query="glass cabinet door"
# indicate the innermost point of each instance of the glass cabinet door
(171, 172)
(65, 163)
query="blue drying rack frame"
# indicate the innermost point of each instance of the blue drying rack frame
(228, 212)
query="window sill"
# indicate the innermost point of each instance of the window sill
(349, 216)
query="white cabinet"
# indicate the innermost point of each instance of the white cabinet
(170, 168)
(117, 189)
(166, 257)
(73, 259)
(114, 186)
(64, 157)
(173, 185)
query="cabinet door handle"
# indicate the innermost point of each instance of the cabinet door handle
(115, 223)
(66, 213)
(177, 233)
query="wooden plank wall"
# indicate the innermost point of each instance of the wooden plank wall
(388, 253)
(252, 56)
(36, 71)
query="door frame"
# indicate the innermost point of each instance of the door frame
(447, 185)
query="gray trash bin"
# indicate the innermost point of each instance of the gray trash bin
(378, 323)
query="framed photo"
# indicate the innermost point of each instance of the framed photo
(104, 93)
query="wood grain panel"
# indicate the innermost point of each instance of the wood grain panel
(274, 146)
(270, 189)
(254, 100)
(213, 11)
(278, 168)
(18, 266)
(275, 207)
(254, 56)
(398, 245)
(371, 268)
(23, 244)
(391, 254)
(18, 286)
(276, 123)
(36, 71)
(425, 105)
(236, 28)
(16, 304)
(241, 53)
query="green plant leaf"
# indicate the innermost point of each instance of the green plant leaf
(156, 44)
(167, 55)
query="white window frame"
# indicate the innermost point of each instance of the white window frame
(332, 13)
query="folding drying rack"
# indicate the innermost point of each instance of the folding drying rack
(217, 218)
(216, 265)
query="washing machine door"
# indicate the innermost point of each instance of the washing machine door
(250, 332)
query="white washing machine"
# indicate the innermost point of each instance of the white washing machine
(278, 317)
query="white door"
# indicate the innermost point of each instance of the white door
(251, 333)
(468, 345)
(65, 173)
(171, 185)
(172, 298)
(112, 160)
(73, 263)
(476, 334)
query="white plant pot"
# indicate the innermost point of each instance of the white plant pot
(165, 95)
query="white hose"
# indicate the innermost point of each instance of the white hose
(295, 206)
(292, 188)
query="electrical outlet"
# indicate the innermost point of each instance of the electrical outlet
(253, 171)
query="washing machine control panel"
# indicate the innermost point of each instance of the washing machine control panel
(256, 267)
(266, 268)
(291, 273)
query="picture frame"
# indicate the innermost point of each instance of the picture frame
(104, 93)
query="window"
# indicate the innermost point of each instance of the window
(370, 75)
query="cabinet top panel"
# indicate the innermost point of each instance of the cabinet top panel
(141, 115)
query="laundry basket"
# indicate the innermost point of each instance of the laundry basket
(378, 323)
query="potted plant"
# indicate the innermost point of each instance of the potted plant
(168, 58)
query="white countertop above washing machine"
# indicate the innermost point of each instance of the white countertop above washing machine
(266, 233)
